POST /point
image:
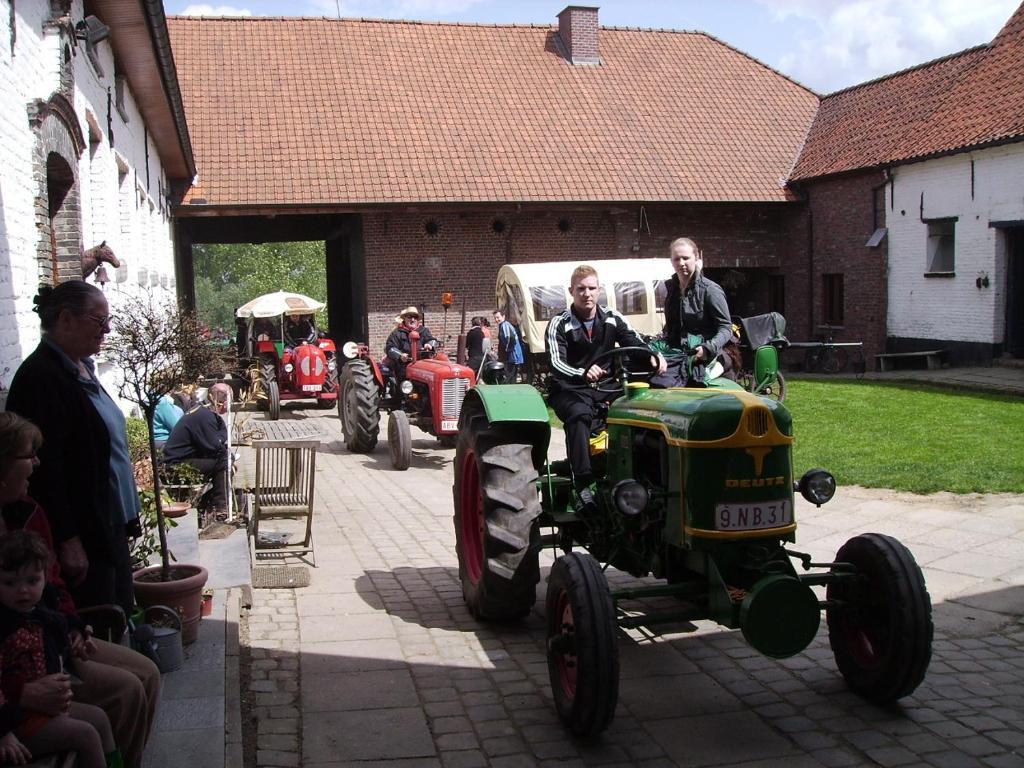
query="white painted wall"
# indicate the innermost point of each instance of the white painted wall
(119, 203)
(954, 308)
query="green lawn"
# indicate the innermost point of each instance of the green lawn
(908, 437)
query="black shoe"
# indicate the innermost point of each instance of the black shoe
(586, 504)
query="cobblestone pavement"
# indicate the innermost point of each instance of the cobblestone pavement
(378, 663)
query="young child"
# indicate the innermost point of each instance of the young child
(34, 644)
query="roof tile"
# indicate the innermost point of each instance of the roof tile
(325, 111)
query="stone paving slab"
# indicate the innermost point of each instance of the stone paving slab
(379, 663)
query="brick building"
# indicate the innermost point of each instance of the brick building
(913, 184)
(94, 147)
(428, 155)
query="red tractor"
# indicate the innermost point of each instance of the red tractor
(285, 367)
(430, 396)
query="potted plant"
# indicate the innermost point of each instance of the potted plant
(157, 346)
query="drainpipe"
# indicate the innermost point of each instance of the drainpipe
(810, 270)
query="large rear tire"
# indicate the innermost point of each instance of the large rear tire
(400, 440)
(273, 401)
(583, 656)
(496, 509)
(330, 385)
(880, 626)
(359, 407)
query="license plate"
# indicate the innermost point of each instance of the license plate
(753, 516)
(310, 387)
(449, 425)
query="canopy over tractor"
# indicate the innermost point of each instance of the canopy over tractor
(282, 367)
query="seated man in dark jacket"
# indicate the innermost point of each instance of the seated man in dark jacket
(200, 439)
(398, 347)
(575, 339)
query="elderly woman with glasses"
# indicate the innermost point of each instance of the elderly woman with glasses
(85, 481)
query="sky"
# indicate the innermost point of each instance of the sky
(826, 45)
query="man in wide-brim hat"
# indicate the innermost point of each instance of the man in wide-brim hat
(399, 345)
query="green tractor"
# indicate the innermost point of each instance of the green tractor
(695, 488)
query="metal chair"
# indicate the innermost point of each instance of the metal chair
(283, 489)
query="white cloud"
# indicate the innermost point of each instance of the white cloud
(215, 10)
(851, 41)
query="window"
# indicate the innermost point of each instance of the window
(631, 298)
(120, 86)
(777, 294)
(834, 299)
(941, 245)
(548, 301)
(660, 294)
(878, 207)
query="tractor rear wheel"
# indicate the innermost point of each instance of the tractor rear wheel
(583, 656)
(273, 400)
(496, 509)
(880, 627)
(330, 385)
(359, 407)
(400, 440)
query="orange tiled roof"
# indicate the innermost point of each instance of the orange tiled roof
(325, 111)
(968, 99)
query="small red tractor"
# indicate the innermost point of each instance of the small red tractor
(430, 396)
(285, 371)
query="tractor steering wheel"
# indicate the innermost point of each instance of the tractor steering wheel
(602, 385)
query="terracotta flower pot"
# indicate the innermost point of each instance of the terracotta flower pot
(184, 593)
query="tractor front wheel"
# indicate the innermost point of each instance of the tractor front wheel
(583, 656)
(496, 509)
(400, 440)
(880, 624)
(359, 407)
(273, 400)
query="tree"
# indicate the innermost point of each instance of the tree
(227, 276)
(157, 347)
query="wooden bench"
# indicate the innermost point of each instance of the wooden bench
(887, 361)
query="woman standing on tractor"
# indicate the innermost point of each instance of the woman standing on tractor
(694, 305)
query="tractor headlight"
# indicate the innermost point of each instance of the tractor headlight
(406, 387)
(817, 486)
(332, 364)
(630, 497)
(350, 349)
(288, 368)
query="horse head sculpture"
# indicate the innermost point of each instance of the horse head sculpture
(95, 256)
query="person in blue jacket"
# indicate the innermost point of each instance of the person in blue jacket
(510, 350)
(167, 414)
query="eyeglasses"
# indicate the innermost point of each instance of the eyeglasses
(102, 322)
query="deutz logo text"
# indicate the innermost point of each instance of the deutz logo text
(759, 482)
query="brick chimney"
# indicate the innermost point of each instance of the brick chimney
(577, 28)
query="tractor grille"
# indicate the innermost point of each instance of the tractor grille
(758, 421)
(452, 393)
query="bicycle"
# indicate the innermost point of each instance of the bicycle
(826, 358)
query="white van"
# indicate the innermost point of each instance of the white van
(531, 294)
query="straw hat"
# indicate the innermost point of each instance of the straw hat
(409, 311)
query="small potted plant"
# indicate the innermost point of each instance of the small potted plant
(156, 347)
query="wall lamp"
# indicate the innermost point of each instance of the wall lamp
(92, 30)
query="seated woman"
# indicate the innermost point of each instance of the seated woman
(123, 683)
(694, 306)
